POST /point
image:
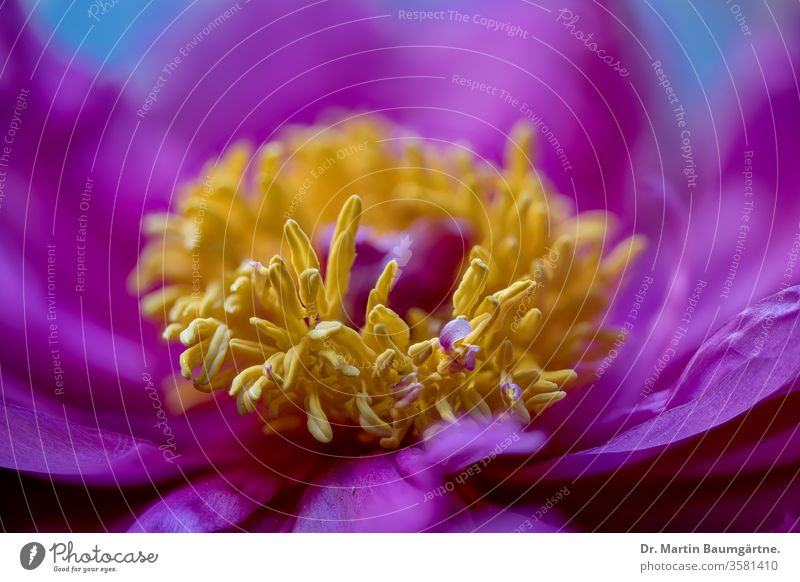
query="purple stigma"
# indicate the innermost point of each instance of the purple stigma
(454, 331)
(405, 381)
(470, 358)
(512, 390)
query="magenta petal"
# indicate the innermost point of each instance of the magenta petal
(370, 495)
(49, 445)
(764, 440)
(751, 358)
(218, 502)
(454, 446)
(453, 331)
(543, 518)
(450, 450)
(758, 351)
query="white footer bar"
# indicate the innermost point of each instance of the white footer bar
(390, 557)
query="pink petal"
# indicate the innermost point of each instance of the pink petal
(217, 502)
(49, 445)
(753, 357)
(370, 495)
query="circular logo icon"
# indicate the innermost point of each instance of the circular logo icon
(31, 555)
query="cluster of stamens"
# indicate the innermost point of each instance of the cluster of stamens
(275, 334)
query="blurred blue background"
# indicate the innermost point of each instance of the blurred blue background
(699, 31)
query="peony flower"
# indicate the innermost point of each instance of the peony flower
(402, 315)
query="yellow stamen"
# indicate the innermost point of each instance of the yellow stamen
(274, 334)
(470, 289)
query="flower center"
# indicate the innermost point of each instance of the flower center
(241, 285)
